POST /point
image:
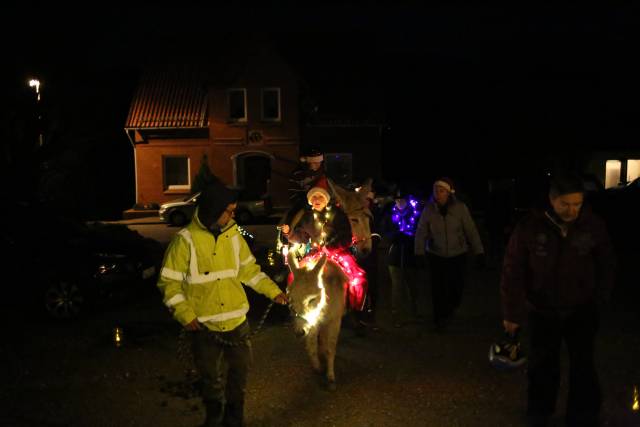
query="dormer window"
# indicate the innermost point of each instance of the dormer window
(270, 100)
(237, 99)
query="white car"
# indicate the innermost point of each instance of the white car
(179, 212)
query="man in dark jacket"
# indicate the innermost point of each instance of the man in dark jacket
(558, 264)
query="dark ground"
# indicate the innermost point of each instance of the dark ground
(71, 374)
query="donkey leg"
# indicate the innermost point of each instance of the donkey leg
(333, 332)
(311, 343)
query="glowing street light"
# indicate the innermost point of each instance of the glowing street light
(35, 83)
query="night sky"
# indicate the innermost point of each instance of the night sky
(483, 90)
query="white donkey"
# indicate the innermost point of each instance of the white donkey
(317, 300)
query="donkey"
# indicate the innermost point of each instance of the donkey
(355, 205)
(317, 296)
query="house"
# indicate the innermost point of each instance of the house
(615, 167)
(239, 114)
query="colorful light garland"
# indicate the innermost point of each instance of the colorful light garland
(356, 276)
(406, 219)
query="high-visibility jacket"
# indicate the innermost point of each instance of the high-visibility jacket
(202, 276)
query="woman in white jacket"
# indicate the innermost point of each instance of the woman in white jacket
(446, 232)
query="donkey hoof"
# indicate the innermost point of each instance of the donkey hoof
(331, 385)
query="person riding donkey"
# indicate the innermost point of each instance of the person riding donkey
(326, 228)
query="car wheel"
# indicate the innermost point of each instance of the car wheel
(243, 217)
(63, 299)
(178, 219)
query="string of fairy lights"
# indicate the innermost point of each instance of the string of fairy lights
(406, 219)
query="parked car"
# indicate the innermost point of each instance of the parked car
(179, 212)
(65, 268)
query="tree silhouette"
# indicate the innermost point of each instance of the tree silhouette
(204, 176)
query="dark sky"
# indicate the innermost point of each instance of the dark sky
(465, 82)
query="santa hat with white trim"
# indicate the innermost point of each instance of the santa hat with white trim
(446, 183)
(313, 156)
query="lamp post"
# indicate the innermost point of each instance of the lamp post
(35, 83)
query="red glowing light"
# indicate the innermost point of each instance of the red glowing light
(357, 283)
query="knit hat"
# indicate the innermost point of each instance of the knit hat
(445, 183)
(318, 190)
(213, 200)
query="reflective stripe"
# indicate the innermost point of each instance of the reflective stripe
(194, 275)
(235, 242)
(193, 259)
(254, 281)
(248, 260)
(216, 275)
(174, 300)
(225, 316)
(172, 274)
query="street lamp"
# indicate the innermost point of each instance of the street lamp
(36, 84)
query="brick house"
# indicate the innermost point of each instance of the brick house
(240, 115)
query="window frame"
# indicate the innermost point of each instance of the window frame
(176, 188)
(244, 98)
(262, 109)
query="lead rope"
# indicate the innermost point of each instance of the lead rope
(184, 345)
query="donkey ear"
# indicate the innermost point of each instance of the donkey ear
(320, 264)
(367, 184)
(336, 190)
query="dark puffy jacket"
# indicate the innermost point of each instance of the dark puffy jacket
(337, 229)
(549, 273)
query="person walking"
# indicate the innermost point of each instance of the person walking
(399, 229)
(446, 232)
(201, 280)
(558, 266)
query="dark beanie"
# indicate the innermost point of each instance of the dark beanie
(213, 200)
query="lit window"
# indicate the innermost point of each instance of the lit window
(633, 169)
(612, 174)
(271, 104)
(176, 173)
(238, 105)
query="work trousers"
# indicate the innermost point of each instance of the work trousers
(577, 328)
(447, 283)
(223, 369)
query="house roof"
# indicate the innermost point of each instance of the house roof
(168, 99)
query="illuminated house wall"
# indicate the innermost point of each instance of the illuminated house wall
(182, 113)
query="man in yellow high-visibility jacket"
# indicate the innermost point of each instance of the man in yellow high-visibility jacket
(201, 279)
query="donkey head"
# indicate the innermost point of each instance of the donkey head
(306, 293)
(355, 205)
